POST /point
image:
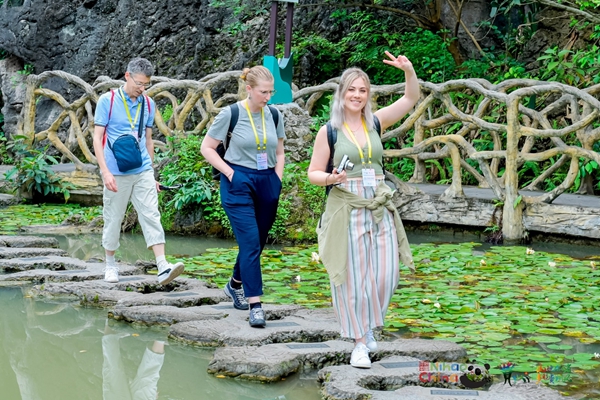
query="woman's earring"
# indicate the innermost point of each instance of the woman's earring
(249, 96)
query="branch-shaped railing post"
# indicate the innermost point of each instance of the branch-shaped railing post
(512, 215)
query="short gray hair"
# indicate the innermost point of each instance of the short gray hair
(140, 66)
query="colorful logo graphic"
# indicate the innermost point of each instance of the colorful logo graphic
(552, 374)
(476, 376)
(470, 375)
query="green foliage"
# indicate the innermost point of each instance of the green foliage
(499, 303)
(323, 110)
(213, 212)
(33, 172)
(327, 55)
(5, 157)
(579, 68)
(185, 167)
(12, 218)
(27, 70)
(300, 205)
(371, 37)
(167, 112)
(242, 11)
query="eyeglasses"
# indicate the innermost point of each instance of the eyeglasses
(267, 92)
(139, 84)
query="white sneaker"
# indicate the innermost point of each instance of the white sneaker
(360, 357)
(111, 273)
(371, 343)
(167, 272)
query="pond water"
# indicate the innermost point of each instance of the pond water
(61, 351)
(133, 246)
(55, 350)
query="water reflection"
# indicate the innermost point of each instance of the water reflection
(116, 385)
(133, 246)
(61, 351)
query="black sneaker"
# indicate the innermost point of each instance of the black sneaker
(237, 295)
(257, 318)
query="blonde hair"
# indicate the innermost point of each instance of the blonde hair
(256, 74)
(337, 109)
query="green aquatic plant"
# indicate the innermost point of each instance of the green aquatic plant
(12, 218)
(503, 304)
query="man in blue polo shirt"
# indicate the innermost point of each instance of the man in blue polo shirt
(119, 113)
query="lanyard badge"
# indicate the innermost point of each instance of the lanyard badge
(137, 113)
(261, 155)
(368, 173)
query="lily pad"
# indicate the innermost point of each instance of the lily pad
(544, 339)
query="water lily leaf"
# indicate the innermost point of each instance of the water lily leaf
(544, 339)
(549, 331)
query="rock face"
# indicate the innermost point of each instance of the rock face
(98, 37)
(186, 39)
(12, 86)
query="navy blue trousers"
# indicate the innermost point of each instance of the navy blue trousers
(250, 201)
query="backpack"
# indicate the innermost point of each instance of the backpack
(223, 146)
(332, 138)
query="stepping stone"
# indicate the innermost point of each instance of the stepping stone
(301, 326)
(273, 362)
(27, 241)
(24, 252)
(57, 269)
(56, 263)
(165, 315)
(135, 290)
(8, 200)
(403, 380)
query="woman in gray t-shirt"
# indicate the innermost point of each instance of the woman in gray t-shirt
(251, 173)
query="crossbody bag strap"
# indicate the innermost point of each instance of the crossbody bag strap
(142, 122)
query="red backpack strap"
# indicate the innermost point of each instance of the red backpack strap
(112, 100)
(148, 104)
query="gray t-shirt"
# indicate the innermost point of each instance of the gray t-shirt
(242, 148)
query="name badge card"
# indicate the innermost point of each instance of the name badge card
(368, 176)
(261, 161)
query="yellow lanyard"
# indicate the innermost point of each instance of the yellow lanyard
(137, 113)
(362, 157)
(254, 128)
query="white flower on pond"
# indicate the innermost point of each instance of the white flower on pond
(551, 264)
(530, 251)
(298, 279)
(315, 257)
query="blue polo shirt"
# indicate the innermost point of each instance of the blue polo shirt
(119, 125)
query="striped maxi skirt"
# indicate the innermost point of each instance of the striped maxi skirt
(361, 302)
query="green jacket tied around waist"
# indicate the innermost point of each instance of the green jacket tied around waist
(332, 231)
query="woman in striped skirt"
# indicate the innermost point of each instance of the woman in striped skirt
(361, 236)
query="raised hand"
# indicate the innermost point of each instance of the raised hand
(400, 62)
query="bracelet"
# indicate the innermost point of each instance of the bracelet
(229, 176)
(327, 177)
